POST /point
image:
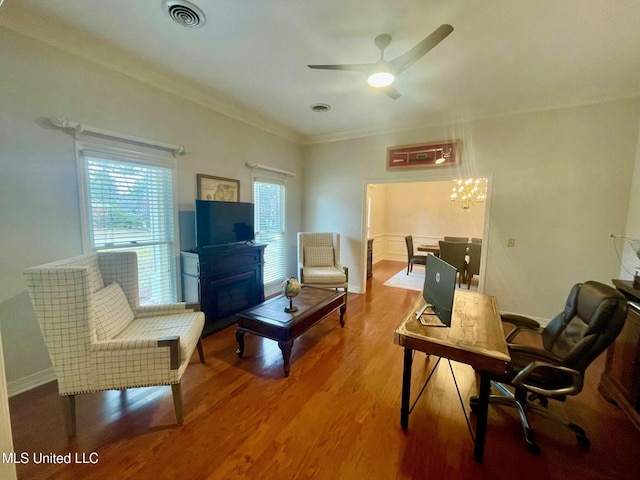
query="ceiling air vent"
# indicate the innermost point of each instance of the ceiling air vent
(185, 13)
(320, 107)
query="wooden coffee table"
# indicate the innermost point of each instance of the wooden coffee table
(269, 319)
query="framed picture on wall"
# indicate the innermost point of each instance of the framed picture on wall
(218, 188)
(424, 155)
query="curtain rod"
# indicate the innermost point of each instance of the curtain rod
(257, 166)
(80, 128)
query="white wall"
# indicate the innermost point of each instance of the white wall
(378, 210)
(559, 184)
(38, 192)
(425, 209)
(629, 259)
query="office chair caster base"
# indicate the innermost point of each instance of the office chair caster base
(581, 436)
(544, 401)
(533, 448)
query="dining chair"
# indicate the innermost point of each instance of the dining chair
(412, 258)
(473, 265)
(457, 239)
(454, 253)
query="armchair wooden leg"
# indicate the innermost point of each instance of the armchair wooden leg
(176, 390)
(69, 408)
(200, 351)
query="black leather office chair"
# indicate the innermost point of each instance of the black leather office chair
(591, 320)
(411, 257)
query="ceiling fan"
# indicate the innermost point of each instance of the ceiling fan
(382, 73)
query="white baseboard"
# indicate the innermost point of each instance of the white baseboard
(30, 381)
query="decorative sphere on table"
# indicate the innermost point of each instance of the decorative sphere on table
(290, 288)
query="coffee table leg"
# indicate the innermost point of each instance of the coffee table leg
(240, 339)
(286, 354)
(343, 310)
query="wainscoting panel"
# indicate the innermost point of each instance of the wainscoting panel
(396, 248)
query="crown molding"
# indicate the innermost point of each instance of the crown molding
(452, 120)
(72, 41)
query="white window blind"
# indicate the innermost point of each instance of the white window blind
(130, 205)
(269, 201)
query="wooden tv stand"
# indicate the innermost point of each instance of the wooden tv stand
(224, 280)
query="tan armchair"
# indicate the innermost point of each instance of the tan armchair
(319, 261)
(100, 338)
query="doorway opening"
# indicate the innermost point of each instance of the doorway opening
(424, 210)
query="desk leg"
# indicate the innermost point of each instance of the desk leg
(481, 425)
(406, 388)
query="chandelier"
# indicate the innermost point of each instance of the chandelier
(469, 192)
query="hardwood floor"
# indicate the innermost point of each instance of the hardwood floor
(336, 417)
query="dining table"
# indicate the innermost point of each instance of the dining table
(430, 248)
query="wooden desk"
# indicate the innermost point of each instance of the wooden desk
(476, 338)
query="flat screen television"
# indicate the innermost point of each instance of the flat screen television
(438, 292)
(219, 223)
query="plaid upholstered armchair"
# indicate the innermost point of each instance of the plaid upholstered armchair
(319, 260)
(100, 338)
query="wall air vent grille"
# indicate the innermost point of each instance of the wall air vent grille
(184, 13)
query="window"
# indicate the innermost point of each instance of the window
(268, 197)
(128, 203)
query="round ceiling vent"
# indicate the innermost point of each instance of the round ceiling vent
(185, 13)
(320, 107)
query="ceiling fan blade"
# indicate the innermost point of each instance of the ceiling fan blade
(361, 67)
(414, 54)
(392, 93)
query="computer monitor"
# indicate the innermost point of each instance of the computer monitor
(438, 292)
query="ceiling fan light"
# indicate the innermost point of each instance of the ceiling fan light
(381, 79)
